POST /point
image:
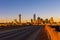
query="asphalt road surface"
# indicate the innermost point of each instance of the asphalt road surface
(24, 33)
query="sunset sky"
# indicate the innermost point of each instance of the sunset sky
(9, 9)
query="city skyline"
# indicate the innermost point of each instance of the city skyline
(9, 9)
(34, 18)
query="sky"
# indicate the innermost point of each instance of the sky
(9, 9)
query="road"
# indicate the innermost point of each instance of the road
(24, 33)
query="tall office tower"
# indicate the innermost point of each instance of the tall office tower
(46, 20)
(38, 20)
(31, 21)
(34, 17)
(51, 20)
(19, 18)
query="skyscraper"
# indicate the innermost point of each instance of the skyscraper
(38, 20)
(34, 17)
(31, 21)
(19, 18)
(51, 20)
(46, 20)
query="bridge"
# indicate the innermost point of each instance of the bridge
(24, 33)
(30, 33)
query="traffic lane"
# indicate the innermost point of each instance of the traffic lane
(6, 33)
(25, 35)
(34, 35)
(13, 35)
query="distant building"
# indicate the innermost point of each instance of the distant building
(46, 21)
(35, 22)
(34, 17)
(41, 21)
(38, 20)
(31, 21)
(19, 18)
(15, 21)
(51, 20)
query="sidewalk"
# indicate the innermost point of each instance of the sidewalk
(51, 32)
